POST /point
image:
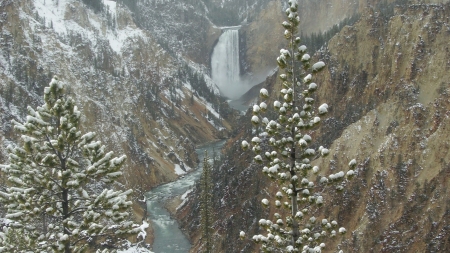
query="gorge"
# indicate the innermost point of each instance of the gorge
(141, 73)
(168, 237)
(386, 81)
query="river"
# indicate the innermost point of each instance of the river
(168, 236)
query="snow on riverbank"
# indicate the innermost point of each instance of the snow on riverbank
(178, 170)
(184, 199)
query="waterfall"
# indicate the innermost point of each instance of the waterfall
(225, 64)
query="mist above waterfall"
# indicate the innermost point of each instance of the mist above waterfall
(225, 65)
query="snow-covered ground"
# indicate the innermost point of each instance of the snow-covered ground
(179, 170)
(54, 14)
(58, 43)
(135, 249)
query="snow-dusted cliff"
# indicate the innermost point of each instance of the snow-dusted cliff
(387, 84)
(141, 100)
(140, 77)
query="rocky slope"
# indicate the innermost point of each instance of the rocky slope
(137, 69)
(319, 16)
(262, 35)
(140, 100)
(397, 99)
(139, 77)
(257, 37)
(388, 90)
(191, 28)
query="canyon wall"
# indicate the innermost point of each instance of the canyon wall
(387, 85)
(141, 100)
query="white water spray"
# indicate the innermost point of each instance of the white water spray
(225, 65)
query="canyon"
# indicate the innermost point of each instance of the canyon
(144, 81)
(387, 86)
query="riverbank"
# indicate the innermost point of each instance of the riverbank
(163, 201)
(173, 204)
(139, 210)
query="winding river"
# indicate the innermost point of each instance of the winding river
(168, 236)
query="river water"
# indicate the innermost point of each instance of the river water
(168, 236)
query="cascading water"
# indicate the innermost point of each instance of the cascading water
(225, 64)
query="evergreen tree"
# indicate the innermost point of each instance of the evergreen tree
(206, 213)
(288, 155)
(57, 194)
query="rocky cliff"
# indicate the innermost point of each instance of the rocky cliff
(392, 85)
(258, 37)
(262, 35)
(140, 78)
(387, 86)
(141, 100)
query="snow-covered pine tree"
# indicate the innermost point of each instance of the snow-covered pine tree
(57, 193)
(206, 213)
(288, 155)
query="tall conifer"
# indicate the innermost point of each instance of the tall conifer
(206, 212)
(58, 193)
(285, 150)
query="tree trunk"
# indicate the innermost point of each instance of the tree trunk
(65, 208)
